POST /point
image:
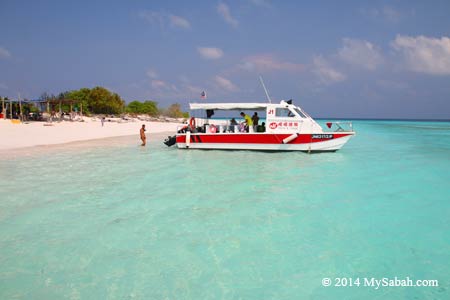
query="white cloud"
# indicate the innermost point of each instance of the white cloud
(151, 73)
(267, 63)
(193, 89)
(158, 84)
(360, 53)
(179, 22)
(224, 11)
(210, 53)
(424, 54)
(189, 88)
(225, 84)
(326, 74)
(162, 19)
(4, 53)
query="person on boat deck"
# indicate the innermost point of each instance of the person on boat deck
(255, 120)
(248, 121)
(262, 127)
(233, 123)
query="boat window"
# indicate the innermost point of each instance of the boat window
(283, 113)
(300, 113)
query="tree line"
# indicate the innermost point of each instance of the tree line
(100, 100)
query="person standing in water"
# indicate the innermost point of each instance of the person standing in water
(143, 137)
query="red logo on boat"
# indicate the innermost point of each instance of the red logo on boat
(273, 125)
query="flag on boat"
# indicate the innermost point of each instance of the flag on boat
(203, 95)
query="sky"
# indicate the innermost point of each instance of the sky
(343, 59)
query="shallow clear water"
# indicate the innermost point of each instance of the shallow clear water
(112, 220)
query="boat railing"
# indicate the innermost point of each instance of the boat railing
(212, 128)
(340, 126)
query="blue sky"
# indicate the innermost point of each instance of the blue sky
(362, 59)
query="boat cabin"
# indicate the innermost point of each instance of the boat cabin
(283, 117)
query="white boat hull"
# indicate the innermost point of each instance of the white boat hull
(331, 145)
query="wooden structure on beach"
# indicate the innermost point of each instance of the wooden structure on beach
(14, 108)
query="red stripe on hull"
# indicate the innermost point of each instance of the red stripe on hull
(249, 138)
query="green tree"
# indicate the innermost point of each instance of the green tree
(134, 107)
(103, 101)
(174, 111)
(97, 100)
(81, 95)
(148, 107)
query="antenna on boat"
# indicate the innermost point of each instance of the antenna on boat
(265, 90)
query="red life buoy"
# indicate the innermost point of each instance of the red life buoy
(192, 123)
(212, 128)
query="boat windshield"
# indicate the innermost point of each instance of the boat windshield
(300, 112)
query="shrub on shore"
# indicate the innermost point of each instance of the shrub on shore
(100, 100)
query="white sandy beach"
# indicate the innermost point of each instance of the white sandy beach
(13, 136)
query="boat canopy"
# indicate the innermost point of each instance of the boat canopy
(229, 106)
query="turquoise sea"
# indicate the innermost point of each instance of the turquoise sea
(112, 220)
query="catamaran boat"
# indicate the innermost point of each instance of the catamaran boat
(286, 128)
